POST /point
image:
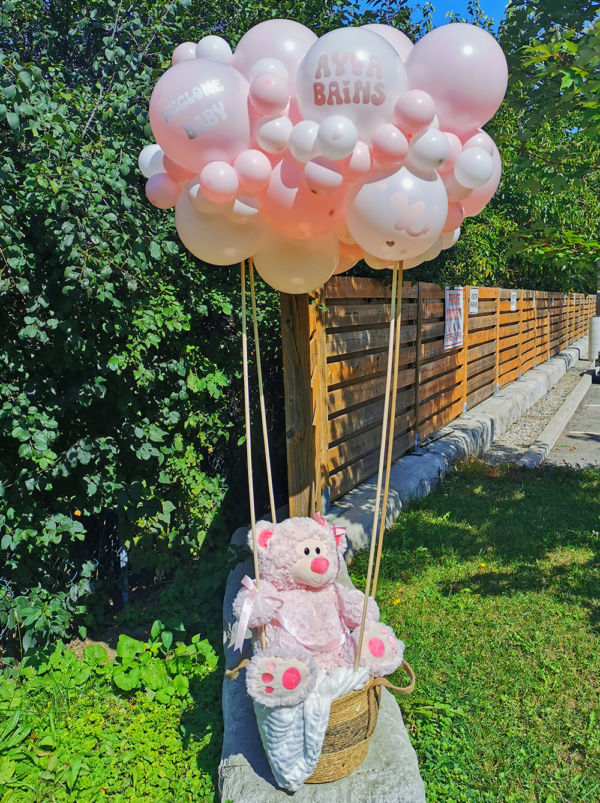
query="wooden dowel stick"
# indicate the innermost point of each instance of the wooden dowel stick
(391, 431)
(380, 473)
(248, 441)
(263, 411)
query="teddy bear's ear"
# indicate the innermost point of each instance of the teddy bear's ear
(263, 537)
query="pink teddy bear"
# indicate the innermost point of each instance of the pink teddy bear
(311, 622)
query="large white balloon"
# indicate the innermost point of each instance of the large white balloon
(464, 70)
(352, 72)
(398, 40)
(398, 217)
(294, 266)
(214, 238)
(284, 40)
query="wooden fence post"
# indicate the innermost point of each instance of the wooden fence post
(498, 291)
(417, 361)
(465, 348)
(318, 366)
(535, 308)
(520, 314)
(300, 403)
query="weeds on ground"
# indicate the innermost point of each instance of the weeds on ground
(493, 581)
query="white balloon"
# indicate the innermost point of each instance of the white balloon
(214, 47)
(429, 150)
(354, 72)
(322, 177)
(397, 217)
(474, 168)
(398, 40)
(201, 203)
(273, 134)
(269, 65)
(337, 137)
(214, 238)
(297, 266)
(303, 141)
(455, 191)
(450, 238)
(245, 209)
(150, 160)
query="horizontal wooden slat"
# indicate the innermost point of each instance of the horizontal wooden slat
(358, 446)
(351, 422)
(348, 478)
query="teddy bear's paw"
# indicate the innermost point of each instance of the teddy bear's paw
(381, 651)
(274, 681)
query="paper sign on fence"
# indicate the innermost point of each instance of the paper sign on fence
(453, 332)
(513, 300)
(474, 301)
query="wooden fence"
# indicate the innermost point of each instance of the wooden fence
(335, 345)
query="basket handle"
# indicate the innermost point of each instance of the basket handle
(400, 689)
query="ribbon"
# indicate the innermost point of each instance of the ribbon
(338, 532)
(290, 627)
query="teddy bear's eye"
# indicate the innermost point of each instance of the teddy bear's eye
(318, 551)
(306, 551)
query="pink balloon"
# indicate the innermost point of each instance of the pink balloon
(480, 140)
(173, 169)
(322, 176)
(479, 198)
(199, 113)
(398, 40)
(285, 40)
(455, 151)
(184, 52)
(162, 190)
(455, 217)
(454, 190)
(464, 70)
(269, 94)
(253, 169)
(414, 111)
(389, 145)
(219, 182)
(343, 265)
(292, 209)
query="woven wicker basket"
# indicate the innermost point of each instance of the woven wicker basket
(352, 722)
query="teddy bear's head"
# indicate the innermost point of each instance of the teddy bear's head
(298, 552)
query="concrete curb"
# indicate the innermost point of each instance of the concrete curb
(544, 444)
(414, 477)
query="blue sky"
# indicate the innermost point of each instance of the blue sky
(493, 8)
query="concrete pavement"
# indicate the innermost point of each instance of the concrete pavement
(579, 444)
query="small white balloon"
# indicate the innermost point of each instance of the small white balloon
(201, 203)
(150, 160)
(322, 176)
(269, 65)
(337, 137)
(473, 168)
(303, 141)
(183, 52)
(214, 47)
(429, 150)
(245, 209)
(273, 135)
(450, 238)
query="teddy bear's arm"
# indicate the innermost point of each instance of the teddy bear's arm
(351, 606)
(262, 610)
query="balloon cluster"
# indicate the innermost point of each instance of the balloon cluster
(309, 154)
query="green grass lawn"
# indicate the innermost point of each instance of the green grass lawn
(493, 581)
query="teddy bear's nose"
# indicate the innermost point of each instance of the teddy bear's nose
(319, 565)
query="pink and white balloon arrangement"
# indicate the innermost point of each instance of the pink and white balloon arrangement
(309, 154)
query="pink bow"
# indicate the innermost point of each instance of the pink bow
(338, 532)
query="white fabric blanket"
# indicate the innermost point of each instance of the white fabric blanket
(293, 735)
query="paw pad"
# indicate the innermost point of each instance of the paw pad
(291, 678)
(376, 647)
